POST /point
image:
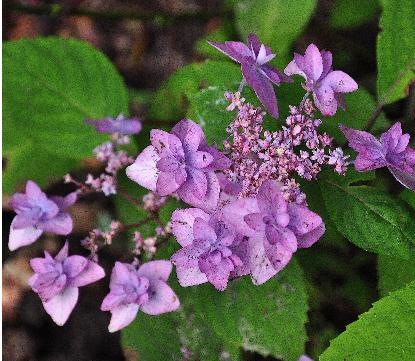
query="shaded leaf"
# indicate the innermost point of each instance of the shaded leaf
(396, 49)
(371, 219)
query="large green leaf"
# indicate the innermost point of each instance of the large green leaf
(349, 13)
(172, 100)
(385, 333)
(370, 218)
(50, 86)
(268, 319)
(394, 273)
(396, 49)
(276, 22)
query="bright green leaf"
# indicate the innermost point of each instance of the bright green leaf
(371, 219)
(396, 49)
(172, 100)
(34, 162)
(276, 22)
(50, 86)
(394, 273)
(385, 333)
(348, 13)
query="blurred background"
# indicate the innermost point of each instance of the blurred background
(147, 41)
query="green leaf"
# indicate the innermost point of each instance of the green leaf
(408, 196)
(385, 333)
(268, 319)
(396, 49)
(348, 13)
(33, 161)
(360, 106)
(371, 219)
(51, 85)
(172, 100)
(394, 273)
(224, 33)
(276, 22)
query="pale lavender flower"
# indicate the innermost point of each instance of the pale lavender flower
(132, 290)
(257, 73)
(37, 214)
(118, 125)
(275, 229)
(326, 84)
(56, 281)
(391, 151)
(208, 253)
(180, 162)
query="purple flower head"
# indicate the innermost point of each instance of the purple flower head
(326, 84)
(117, 125)
(181, 162)
(208, 253)
(37, 214)
(56, 281)
(132, 289)
(391, 151)
(275, 229)
(257, 73)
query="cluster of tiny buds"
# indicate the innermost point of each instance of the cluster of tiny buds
(296, 149)
(114, 159)
(149, 244)
(153, 202)
(98, 238)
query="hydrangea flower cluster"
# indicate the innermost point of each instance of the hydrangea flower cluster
(248, 215)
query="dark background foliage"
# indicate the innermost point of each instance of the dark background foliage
(147, 41)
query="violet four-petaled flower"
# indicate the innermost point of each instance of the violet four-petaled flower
(257, 73)
(181, 162)
(326, 84)
(56, 281)
(275, 229)
(208, 253)
(118, 125)
(391, 151)
(132, 290)
(37, 214)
